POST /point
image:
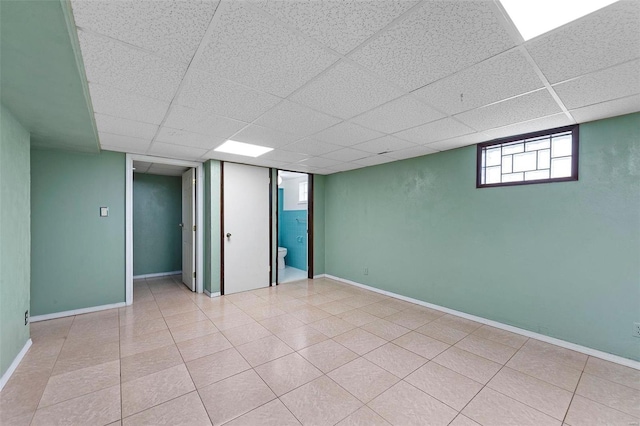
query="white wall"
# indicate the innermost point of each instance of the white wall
(291, 188)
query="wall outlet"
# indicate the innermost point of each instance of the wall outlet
(366, 271)
(26, 317)
(636, 329)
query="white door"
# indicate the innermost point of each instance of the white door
(188, 229)
(246, 227)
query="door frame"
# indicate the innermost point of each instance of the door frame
(310, 208)
(199, 242)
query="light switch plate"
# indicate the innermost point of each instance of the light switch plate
(104, 211)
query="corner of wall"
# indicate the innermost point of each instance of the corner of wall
(212, 226)
(15, 243)
(319, 224)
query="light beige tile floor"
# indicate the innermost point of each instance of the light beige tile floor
(314, 352)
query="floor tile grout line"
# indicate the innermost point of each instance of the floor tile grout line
(485, 384)
(157, 405)
(610, 381)
(529, 405)
(191, 375)
(183, 363)
(517, 350)
(51, 372)
(566, 413)
(598, 402)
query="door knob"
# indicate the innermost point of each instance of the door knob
(181, 225)
(228, 235)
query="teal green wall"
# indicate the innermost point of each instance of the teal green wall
(77, 257)
(157, 211)
(292, 233)
(560, 258)
(212, 226)
(42, 74)
(15, 237)
(318, 224)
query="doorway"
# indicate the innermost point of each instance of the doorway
(293, 226)
(189, 173)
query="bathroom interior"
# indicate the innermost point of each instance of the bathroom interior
(292, 226)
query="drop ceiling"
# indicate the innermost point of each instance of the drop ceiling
(41, 77)
(145, 167)
(338, 85)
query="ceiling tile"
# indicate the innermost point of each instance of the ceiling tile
(117, 103)
(181, 137)
(459, 141)
(612, 83)
(323, 172)
(203, 122)
(127, 150)
(345, 91)
(285, 156)
(115, 64)
(339, 24)
(435, 131)
(300, 167)
(501, 77)
(206, 92)
(417, 151)
(384, 144)
(543, 123)
(346, 154)
(247, 47)
(347, 134)
(261, 162)
(263, 136)
(166, 170)
(374, 160)
(311, 146)
(608, 109)
(435, 40)
(171, 29)
(398, 115)
(522, 108)
(343, 167)
(604, 38)
(124, 127)
(126, 143)
(319, 162)
(286, 175)
(223, 156)
(141, 166)
(174, 151)
(296, 119)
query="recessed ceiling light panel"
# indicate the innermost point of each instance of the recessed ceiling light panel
(535, 17)
(241, 148)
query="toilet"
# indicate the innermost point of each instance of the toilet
(282, 252)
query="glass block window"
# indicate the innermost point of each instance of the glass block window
(546, 156)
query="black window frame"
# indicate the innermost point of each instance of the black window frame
(575, 145)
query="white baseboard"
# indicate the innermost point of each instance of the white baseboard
(315, 277)
(211, 294)
(75, 312)
(558, 342)
(159, 274)
(16, 361)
